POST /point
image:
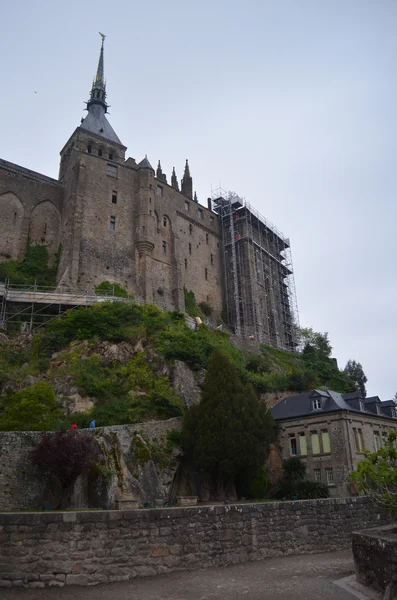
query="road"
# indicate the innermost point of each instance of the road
(306, 577)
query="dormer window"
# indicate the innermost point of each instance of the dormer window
(361, 405)
(316, 403)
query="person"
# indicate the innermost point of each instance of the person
(92, 424)
(74, 425)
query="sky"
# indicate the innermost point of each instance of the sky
(290, 103)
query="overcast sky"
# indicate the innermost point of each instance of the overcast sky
(290, 103)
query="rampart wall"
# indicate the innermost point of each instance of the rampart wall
(91, 547)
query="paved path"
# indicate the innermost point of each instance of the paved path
(306, 577)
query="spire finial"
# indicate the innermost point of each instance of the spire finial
(98, 90)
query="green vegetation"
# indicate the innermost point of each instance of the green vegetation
(191, 304)
(33, 268)
(32, 409)
(106, 288)
(295, 486)
(139, 387)
(376, 475)
(229, 433)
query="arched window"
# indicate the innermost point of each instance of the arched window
(89, 149)
(165, 221)
(110, 156)
(99, 151)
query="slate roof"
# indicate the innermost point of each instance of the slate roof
(145, 164)
(301, 405)
(97, 123)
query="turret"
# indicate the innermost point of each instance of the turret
(187, 182)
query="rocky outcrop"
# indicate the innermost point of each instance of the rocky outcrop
(187, 383)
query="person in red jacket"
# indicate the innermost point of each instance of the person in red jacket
(74, 426)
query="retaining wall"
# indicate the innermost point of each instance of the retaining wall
(54, 549)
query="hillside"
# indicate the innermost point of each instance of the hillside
(126, 363)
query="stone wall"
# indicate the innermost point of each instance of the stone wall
(54, 549)
(22, 489)
(375, 557)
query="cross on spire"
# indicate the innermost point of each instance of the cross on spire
(98, 90)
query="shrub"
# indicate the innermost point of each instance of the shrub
(191, 304)
(205, 308)
(31, 409)
(95, 380)
(106, 288)
(63, 456)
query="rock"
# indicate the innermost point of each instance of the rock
(184, 384)
(76, 403)
(29, 380)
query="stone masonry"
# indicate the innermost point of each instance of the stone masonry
(86, 548)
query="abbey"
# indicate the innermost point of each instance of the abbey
(122, 221)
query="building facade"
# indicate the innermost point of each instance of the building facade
(330, 432)
(122, 221)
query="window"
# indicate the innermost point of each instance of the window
(200, 212)
(187, 205)
(114, 197)
(206, 273)
(361, 439)
(165, 221)
(206, 238)
(185, 264)
(212, 259)
(302, 444)
(190, 228)
(315, 442)
(89, 149)
(316, 403)
(112, 223)
(325, 441)
(110, 156)
(292, 444)
(159, 191)
(190, 248)
(164, 247)
(317, 474)
(112, 170)
(377, 441)
(329, 475)
(99, 151)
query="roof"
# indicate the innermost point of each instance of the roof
(145, 164)
(97, 123)
(302, 405)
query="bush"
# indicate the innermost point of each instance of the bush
(106, 288)
(205, 308)
(31, 409)
(33, 268)
(295, 486)
(191, 304)
(95, 380)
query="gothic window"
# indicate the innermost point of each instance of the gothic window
(99, 151)
(114, 197)
(110, 156)
(164, 247)
(89, 149)
(112, 223)
(165, 221)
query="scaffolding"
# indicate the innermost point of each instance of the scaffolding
(26, 308)
(259, 282)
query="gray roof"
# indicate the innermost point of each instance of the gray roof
(145, 164)
(302, 405)
(97, 123)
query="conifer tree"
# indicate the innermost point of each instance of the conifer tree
(230, 431)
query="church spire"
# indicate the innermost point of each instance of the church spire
(174, 180)
(98, 90)
(187, 182)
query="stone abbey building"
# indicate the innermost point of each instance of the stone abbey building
(122, 221)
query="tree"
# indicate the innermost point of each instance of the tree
(355, 371)
(376, 475)
(31, 409)
(230, 431)
(62, 457)
(313, 341)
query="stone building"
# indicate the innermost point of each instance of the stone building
(330, 431)
(122, 221)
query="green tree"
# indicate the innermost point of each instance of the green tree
(355, 371)
(230, 431)
(376, 475)
(31, 409)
